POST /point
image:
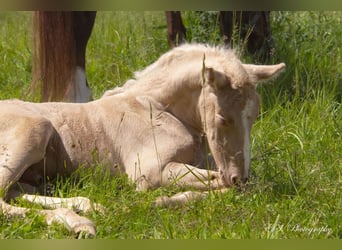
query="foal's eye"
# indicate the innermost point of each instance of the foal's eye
(222, 121)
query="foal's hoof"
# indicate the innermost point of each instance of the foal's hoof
(99, 208)
(72, 221)
(81, 226)
(84, 229)
(162, 201)
(82, 204)
(178, 199)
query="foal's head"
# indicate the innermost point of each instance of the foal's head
(220, 99)
(229, 105)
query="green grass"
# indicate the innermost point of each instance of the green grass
(295, 191)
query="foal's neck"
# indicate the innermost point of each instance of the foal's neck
(181, 101)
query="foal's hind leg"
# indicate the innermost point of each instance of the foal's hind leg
(22, 145)
(77, 204)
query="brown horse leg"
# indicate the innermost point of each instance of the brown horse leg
(176, 32)
(226, 26)
(83, 26)
(260, 42)
(83, 22)
(60, 39)
(253, 26)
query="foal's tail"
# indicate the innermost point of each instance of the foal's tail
(54, 54)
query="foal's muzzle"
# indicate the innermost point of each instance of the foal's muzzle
(237, 180)
(233, 179)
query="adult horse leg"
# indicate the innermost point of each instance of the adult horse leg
(60, 39)
(83, 22)
(254, 28)
(176, 32)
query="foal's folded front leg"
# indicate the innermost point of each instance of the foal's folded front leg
(191, 177)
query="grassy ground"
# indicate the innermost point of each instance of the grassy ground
(295, 191)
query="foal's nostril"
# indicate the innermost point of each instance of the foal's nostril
(234, 179)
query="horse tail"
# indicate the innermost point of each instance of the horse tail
(54, 54)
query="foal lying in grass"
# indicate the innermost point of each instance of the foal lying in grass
(154, 129)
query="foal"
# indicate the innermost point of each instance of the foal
(154, 129)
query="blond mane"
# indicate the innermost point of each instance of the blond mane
(181, 68)
(185, 59)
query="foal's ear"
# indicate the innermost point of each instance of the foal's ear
(215, 78)
(259, 73)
